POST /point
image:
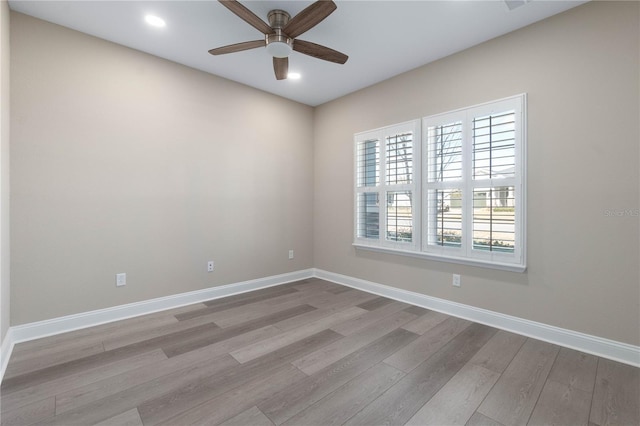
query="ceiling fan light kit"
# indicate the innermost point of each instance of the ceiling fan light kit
(281, 32)
(279, 46)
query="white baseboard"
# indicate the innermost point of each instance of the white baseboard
(617, 351)
(605, 348)
(5, 351)
(36, 330)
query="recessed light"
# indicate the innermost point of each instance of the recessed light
(293, 76)
(154, 21)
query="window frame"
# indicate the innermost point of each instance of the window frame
(466, 254)
(383, 187)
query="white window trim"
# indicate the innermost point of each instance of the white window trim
(516, 262)
(381, 134)
(511, 267)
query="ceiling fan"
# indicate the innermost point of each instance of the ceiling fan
(281, 32)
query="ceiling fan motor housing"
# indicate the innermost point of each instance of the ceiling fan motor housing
(279, 45)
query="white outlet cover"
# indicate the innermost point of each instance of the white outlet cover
(456, 280)
(121, 279)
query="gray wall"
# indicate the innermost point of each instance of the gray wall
(580, 70)
(124, 162)
(5, 287)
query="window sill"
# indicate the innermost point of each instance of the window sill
(420, 255)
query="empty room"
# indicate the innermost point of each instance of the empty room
(320, 213)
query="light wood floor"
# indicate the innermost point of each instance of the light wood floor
(310, 353)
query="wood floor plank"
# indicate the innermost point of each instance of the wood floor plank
(48, 359)
(264, 293)
(499, 351)
(426, 322)
(316, 361)
(29, 414)
(84, 395)
(287, 403)
(341, 404)
(374, 304)
(219, 305)
(255, 310)
(369, 317)
(512, 399)
(250, 417)
(105, 331)
(224, 342)
(221, 347)
(53, 350)
(456, 402)
(191, 395)
(561, 404)
(67, 383)
(266, 346)
(616, 394)
(479, 419)
(180, 347)
(112, 405)
(328, 300)
(313, 315)
(342, 300)
(398, 404)
(574, 369)
(417, 311)
(116, 342)
(566, 396)
(234, 402)
(426, 345)
(128, 418)
(40, 376)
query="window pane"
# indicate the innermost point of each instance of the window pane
(399, 159)
(494, 219)
(368, 163)
(399, 216)
(368, 215)
(494, 146)
(445, 152)
(445, 217)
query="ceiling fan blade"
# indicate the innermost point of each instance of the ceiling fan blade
(281, 67)
(238, 47)
(247, 16)
(320, 52)
(309, 18)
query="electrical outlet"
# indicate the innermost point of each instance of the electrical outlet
(210, 266)
(290, 254)
(121, 279)
(456, 280)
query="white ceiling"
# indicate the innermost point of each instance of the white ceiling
(382, 38)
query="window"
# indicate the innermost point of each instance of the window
(471, 194)
(386, 204)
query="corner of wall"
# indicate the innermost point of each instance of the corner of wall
(4, 172)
